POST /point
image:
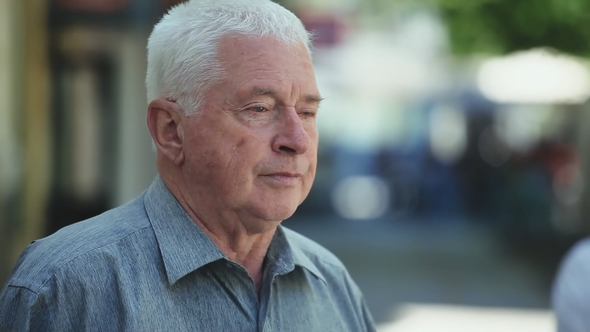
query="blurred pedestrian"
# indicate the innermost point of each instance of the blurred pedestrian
(571, 290)
(232, 114)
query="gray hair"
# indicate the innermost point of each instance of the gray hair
(182, 48)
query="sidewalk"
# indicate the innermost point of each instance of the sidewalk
(396, 264)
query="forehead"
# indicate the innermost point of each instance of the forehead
(235, 50)
(249, 60)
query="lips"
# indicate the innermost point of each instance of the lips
(285, 174)
(283, 178)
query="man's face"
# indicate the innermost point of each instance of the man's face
(252, 149)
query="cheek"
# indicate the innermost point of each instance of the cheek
(311, 171)
(313, 142)
(310, 176)
(312, 129)
(240, 144)
(203, 163)
(312, 156)
(237, 165)
(306, 185)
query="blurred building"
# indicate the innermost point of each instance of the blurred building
(72, 122)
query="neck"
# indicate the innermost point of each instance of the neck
(245, 249)
(226, 230)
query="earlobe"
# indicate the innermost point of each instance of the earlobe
(165, 124)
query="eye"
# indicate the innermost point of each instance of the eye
(307, 114)
(259, 109)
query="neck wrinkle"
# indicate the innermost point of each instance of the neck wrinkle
(229, 235)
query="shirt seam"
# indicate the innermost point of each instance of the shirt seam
(24, 287)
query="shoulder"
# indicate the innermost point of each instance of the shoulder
(320, 260)
(43, 258)
(570, 293)
(341, 287)
(580, 251)
(575, 266)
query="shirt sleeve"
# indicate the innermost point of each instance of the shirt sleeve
(21, 310)
(571, 290)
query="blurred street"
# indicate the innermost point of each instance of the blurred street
(453, 162)
(397, 263)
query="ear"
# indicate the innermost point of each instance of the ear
(164, 120)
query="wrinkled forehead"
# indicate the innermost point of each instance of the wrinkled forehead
(265, 67)
(236, 50)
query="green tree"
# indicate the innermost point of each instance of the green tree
(501, 26)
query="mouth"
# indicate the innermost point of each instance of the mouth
(282, 179)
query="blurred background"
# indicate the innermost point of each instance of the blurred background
(453, 171)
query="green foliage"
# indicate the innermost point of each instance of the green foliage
(501, 26)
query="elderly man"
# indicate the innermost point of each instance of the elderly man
(232, 113)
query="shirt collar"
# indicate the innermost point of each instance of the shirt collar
(185, 247)
(286, 255)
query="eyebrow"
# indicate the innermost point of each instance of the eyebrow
(310, 98)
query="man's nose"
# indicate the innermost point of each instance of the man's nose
(291, 136)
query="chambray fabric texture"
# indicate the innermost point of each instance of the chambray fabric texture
(571, 290)
(146, 266)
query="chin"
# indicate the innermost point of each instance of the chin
(272, 211)
(275, 205)
(266, 219)
(285, 214)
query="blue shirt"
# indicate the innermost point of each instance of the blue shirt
(146, 266)
(571, 290)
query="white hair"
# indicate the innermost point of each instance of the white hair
(182, 48)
